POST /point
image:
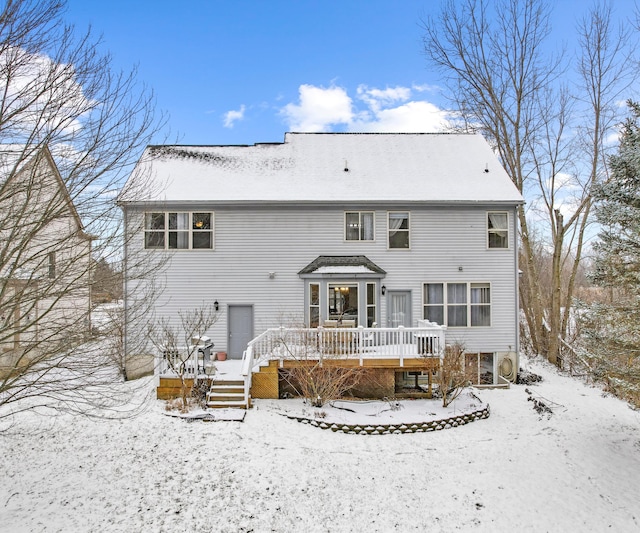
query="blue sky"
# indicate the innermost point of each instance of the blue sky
(241, 72)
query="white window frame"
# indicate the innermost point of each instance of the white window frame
(371, 304)
(361, 226)
(314, 306)
(407, 231)
(348, 284)
(496, 231)
(190, 231)
(475, 358)
(51, 257)
(468, 304)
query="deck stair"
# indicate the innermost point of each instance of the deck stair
(225, 393)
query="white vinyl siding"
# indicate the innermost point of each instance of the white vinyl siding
(252, 241)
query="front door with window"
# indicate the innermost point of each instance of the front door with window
(240, 329)
(398, 309)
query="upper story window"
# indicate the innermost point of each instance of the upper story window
(52, 264)
(498, 229)
(178, 231)
(358, 226)
(398, 229)
(457, 305)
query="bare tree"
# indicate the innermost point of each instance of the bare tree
(315, 370)
(453, 376)
(178, 345)
(71, 129)
(550, 134)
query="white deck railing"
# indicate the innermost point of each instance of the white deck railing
(189, 360)
(426, 340)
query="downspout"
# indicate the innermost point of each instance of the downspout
(517, 288)
(125, 288)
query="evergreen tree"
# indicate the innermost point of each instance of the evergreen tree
(611, 328)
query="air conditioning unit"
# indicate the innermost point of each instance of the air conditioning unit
(507, 367)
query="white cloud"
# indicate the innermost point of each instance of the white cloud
(376, 99)
(381, 110)
(35, 103)
(412, 117)
(319, 108)
(230, 117)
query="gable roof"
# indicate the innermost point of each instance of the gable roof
(18, 158)
(327, 167)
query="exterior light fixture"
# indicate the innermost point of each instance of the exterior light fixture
(216, 305)
(384, 290)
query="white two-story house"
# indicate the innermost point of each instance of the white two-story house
(377, 230)
(45, 260)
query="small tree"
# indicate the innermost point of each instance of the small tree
(316, 374)
(452, 377)
(176, 344)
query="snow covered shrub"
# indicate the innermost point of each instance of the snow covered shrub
(199, 393)
(539, 405)
(526, 377)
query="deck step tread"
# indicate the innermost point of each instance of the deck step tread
(225, 397)
(218, 404)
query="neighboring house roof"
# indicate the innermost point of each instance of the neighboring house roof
(342, 264)
(326, 167)
(16, 158)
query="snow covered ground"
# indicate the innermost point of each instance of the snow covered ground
(576, 470)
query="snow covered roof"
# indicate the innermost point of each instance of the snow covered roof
(342, 264)
(326, 167)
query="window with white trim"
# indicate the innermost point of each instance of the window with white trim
(52, 264)
(480, 301)
(398, 224)
(314, 305)
(178, 231)
(457, 305)
(479, 367)
(498, 229)
(371, 304)
(358, 226)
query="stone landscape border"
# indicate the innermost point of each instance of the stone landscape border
(388, 429)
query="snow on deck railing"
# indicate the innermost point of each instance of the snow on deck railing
(426, 340)
(171, 361)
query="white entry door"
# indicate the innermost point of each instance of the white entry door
(399, 309)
